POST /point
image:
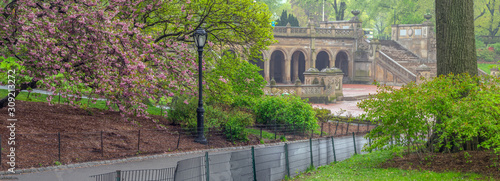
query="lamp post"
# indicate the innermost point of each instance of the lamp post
(200, 38)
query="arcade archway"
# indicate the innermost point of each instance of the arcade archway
(341, 62)
(277, 66)
(298, 66)
(322, 60)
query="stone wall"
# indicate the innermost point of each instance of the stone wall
(417, 38)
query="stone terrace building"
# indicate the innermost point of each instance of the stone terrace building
(341, 44)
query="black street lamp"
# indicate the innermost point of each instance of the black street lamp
(200, 38)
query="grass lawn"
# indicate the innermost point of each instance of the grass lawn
(265, 134)
(485, 67)
(367, 167)
(100, 104)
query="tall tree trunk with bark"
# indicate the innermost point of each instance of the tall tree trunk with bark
(456, 49)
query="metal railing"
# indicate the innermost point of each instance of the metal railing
(267, 163)
(75, 147)
(164, 174)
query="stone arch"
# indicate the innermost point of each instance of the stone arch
(277, 66)
(273, 49)
(297, 65)
(342, 62)
(259, 62)
(304, 51)
(322, 60)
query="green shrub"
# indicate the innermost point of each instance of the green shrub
(486, 55)
(232, 120)
(230, 78)
(480, 44)
(245, 102)
(322, 114)
(235, 126)
(289, 110)
(182, 113)
(449, 109)
(269, 109)
(496, 46)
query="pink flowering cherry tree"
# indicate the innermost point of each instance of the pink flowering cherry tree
(97, 45)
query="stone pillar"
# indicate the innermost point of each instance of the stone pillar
(312, 43)
(288, 29)
(298, 87)
(423, 71)
(286, 76)
(313, 60)
(395, 32)
(267, 73)
(307, 60)
(374, 43)
(309, 76)
(295, 60)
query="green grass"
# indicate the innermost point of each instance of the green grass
(485, 67)
(367, 167)
(100, 104)
(265, 134)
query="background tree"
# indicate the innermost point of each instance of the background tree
(244, 25)
(339, 9)
(275, 7)
(455, 41)
(286, 18)
(487, 17)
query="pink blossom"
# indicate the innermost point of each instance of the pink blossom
(186, 102)
(222, 79)
(210, 43)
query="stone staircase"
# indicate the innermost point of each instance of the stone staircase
(401, 62)
(397, 52)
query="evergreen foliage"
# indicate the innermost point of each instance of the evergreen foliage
(286, 18)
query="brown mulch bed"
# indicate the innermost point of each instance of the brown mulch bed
(38, 125)
(481, 162)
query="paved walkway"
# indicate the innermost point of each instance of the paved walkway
(83, 174)
(350, 90)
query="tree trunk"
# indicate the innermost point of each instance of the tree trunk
(455, 41)
(24, 86)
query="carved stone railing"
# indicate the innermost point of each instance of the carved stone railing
(281, 89)
(398, 70)
(344, 32)
(312, 90)
(305, 91)
(297, 30)
(280, 30)
(323, 31)
(320, 86)
(317, 32)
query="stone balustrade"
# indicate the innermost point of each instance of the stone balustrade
(406, 74)
(318, 32)
(320, 86)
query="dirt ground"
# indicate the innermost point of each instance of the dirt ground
(101, 135)
(482, 162)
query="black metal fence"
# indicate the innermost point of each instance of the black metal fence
(66, 148)
(268, 163)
